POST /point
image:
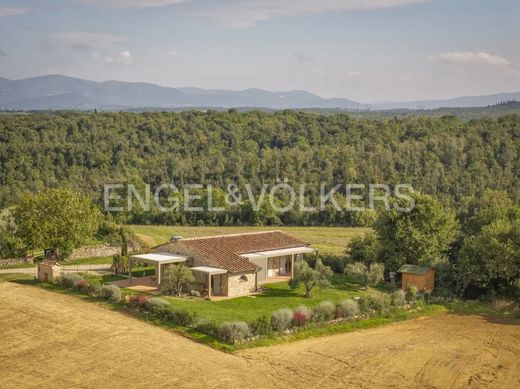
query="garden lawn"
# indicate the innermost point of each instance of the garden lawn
(278, 295)
(89, 261)
(329, 240)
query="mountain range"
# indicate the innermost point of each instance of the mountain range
(60, 92)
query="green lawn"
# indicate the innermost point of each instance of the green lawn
(330, 240)
(278, 295)
(89, 261)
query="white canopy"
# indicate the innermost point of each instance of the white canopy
(209, 270)
(279, 252)
(159, 258)
(156, 259)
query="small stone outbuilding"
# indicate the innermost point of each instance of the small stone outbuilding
(423, 277)
(48, 270)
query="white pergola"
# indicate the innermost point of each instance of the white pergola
(210, 271)
(292, 252)
(157, 260)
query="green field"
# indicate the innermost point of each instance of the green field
(329, 240)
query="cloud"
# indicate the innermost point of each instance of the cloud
(173, 53)
(352, 74)
(87, 41)
(301, 57)
(3, 54)
(125, 57)
(11, 11)
(118, 4)
(475, 57)
(248, 13)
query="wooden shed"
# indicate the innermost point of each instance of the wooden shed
(423, 277)
(48, 270)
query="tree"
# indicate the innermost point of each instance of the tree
(10, 244)
(363, 249)
(176, 277)
(57, 219)
(368, 274)
(491, 259)
(309, 277)
(422, 236)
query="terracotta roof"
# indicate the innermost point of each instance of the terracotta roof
(224, 250)
(50, 262)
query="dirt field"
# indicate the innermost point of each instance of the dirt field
(50, 339)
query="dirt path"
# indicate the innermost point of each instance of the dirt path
(51, 339)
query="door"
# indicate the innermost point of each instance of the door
(216, 284)
(283, 266)
(45, 277)
(270, 270)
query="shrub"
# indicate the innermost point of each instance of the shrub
(350, 308)
(411, 294)
(373, 304)
(195, 293)
(157, 306)
(69, 279)
(138, 300)
(379, 303)
(398, 298)
(324, 311)
(302, 315)
(364, 305)
(281, 319)
(110, 292)
(81, 286)
(181, 317)
(232, 332)
(261, 326)
(94, 290)
(207, 326)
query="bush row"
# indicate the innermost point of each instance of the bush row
(281, 320)
(285, 319)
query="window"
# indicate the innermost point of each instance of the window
(243, 279)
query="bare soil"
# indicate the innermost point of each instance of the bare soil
(51, 339)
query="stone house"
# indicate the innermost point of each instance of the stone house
(235, 264)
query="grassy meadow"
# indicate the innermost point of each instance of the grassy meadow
(329, 240)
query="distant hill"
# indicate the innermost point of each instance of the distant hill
(60, 92)
(457, 102)
(56, 92)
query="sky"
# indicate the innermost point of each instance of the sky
(365, 50)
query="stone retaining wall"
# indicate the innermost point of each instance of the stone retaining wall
(15, 261)
(100, 250)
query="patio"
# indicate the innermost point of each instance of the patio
(159, 260)
(140, 284)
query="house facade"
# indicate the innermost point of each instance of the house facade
(237, 264)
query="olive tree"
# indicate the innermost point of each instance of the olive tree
(309, 277)
(176, 277)
(367, 274)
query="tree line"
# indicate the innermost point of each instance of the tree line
(451, 160)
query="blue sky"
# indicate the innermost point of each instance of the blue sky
(365, 50)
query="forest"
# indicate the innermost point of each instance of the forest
(449, 159)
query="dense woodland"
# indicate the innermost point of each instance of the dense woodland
(444, 157)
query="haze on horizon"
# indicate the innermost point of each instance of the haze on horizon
(365, 50)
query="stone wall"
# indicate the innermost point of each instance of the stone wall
(100, 250)
(15, 261)
(240, 284)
